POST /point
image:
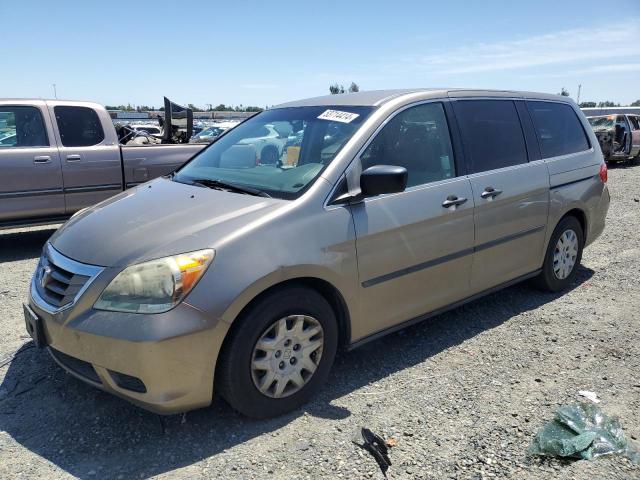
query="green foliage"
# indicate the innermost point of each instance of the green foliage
(587, 104)
(608, 103)
(635, 104)
(336, 88)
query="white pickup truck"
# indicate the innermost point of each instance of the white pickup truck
(59, 156)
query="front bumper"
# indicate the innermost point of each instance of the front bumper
(162, 362)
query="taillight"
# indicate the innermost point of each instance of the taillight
(603, 172)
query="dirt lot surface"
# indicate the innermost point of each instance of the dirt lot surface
(462, 394)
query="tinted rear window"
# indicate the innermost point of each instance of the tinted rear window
(558, 129)
(79, 126)
(491, 134)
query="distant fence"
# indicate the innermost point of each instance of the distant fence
(609, 110)
(230, 115)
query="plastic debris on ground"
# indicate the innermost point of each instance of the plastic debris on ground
(592, 396)
(583, 431)
(376, 446)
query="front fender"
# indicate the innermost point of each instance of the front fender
(298, 272)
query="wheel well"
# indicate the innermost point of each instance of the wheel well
(330, 294)
(581, 217)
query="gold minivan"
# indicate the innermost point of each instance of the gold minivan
(247, 268)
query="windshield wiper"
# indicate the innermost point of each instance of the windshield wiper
(219, 184)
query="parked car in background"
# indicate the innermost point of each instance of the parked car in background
(618, 136)
(208, 135)
(8, 140)
(65, 156)
(267, 143)
(247, 277)
(151, 129)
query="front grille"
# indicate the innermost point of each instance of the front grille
(58, 286)
(59, 280)
(77, 366)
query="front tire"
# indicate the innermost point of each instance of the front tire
(279, 354)
(563, 256)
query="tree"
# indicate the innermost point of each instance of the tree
(608, 103)
(336, 89)
(353, 88)
(635, 104)
(564, 92)
(587, 104)
(193, 107)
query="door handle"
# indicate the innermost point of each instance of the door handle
(73, 158)
(42, 159)
(490, 192)
(453, 201)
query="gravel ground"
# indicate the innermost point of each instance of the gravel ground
(462, 394)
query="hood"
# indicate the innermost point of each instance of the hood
(157, 219)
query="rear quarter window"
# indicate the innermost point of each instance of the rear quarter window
(558, 129)
(78, 126)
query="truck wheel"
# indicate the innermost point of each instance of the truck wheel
(279, 354)
(269, 155)
(563, 256)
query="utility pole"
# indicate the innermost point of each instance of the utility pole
(579, 88)
(55, 93)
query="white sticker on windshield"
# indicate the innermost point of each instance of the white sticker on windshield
(338, 116)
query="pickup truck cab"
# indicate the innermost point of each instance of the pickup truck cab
(58, 157)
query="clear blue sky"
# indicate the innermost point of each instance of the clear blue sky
(266, 52)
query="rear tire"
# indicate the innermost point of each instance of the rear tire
(563, 256)
(269, 155)
(288, 357)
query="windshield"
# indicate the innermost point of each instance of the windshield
(279, 152)
(599, 123)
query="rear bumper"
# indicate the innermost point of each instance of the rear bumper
(151, 365)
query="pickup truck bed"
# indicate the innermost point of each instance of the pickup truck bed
(58, 156)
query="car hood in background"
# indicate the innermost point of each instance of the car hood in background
(157, 219)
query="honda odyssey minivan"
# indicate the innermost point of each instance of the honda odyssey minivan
(244, 274)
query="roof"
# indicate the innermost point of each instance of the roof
(374, 98)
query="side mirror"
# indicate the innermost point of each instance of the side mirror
(381, 179)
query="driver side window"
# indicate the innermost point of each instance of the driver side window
(418, 140)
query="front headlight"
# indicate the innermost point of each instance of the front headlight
(156, 286)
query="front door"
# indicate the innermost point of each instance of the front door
(634, 122)
(415, 247)
(511, 195)
(30, 174)
(91, 164)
